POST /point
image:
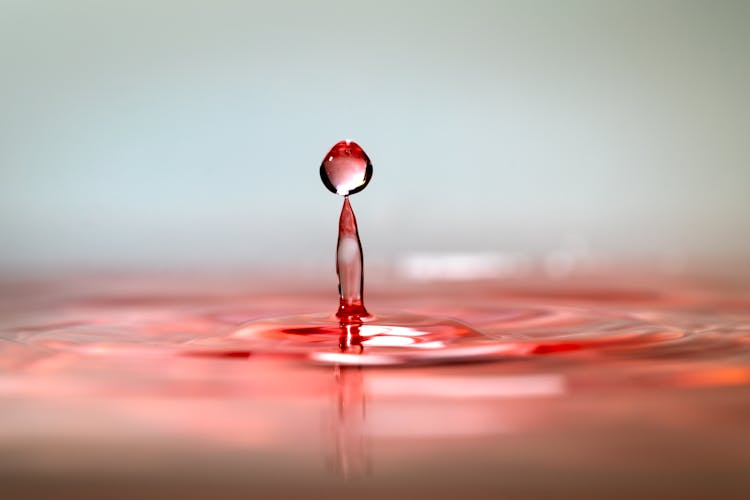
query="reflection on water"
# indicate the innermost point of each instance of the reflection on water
(348, 435)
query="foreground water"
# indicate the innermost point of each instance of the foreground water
(141, 387)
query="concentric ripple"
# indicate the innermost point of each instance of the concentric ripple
(395, 339)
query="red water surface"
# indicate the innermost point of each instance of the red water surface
(617, 385)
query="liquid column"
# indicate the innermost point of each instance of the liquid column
(349, 267)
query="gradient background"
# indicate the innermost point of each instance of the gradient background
(184, 135)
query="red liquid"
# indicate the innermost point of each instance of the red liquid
(353, 336)
(102, 391)
(349, 267)
(346, 169)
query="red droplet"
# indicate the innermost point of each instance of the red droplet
(346, 169)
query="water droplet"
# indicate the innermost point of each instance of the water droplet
(346, 169)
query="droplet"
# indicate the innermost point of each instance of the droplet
(346, 169)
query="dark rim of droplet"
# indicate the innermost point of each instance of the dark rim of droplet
(327, 183)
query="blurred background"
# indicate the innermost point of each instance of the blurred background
(188, 135)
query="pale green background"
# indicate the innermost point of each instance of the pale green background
(184, 134)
